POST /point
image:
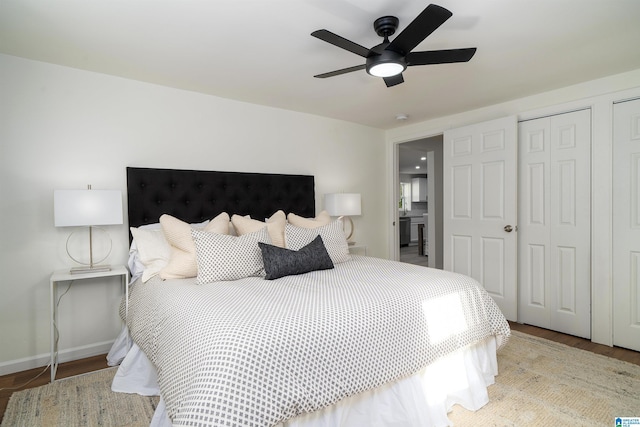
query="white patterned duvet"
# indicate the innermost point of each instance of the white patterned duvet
(255, 352)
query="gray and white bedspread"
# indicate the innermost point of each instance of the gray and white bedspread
(255, 352)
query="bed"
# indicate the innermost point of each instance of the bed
(279, 325)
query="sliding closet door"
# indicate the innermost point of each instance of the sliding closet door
(554, 205)
(626, 225)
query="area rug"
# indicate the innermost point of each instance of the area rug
(541, 383)
(80, 401)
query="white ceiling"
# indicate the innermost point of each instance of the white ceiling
(261, 51)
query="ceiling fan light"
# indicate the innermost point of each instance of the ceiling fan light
(386, 69)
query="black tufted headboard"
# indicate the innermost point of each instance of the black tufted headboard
(195, 196)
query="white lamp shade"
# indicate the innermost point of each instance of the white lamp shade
(343, 204)
(87, 207)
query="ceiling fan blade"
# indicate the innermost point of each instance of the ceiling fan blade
(440, 56)
(341, 42)
(342, 71)
(393, 80)
(424, 24)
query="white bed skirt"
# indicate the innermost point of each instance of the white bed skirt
(422, 400)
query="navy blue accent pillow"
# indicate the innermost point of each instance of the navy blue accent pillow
(280, 262)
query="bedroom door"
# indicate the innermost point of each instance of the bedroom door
(554, 224)
(626, 224)
(480, 166)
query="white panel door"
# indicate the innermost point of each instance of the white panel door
(479, 212)
(626, 225)
(554, 223)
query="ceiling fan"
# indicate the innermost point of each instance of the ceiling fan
(389, 59)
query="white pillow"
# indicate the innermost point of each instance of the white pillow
(224, 257)
(153, 250)
(332, 235)
(275, 226)
(136, 267)
(323, 218)
(182, 263)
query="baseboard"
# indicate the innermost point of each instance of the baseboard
(42, 360)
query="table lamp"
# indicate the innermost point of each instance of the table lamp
(344, 205)
(87, 208)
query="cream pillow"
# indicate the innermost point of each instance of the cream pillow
(153, 250)
(275, 226)
(323, 218)
(182, 263)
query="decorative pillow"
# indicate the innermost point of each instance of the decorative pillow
(223, 257)
(332, 236)
(136, 267)
(275, 226)
(232, 229)
(153, 250)
(182, 263)
(280, 262)
(323, 218)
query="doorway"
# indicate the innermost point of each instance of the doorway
(420, 201)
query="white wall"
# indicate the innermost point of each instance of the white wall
(62, 128)
(599, 95)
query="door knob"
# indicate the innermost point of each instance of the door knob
(508, 228)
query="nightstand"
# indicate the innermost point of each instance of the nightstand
(358, 250)
(66, 276)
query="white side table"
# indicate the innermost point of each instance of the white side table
(66, 276)
(358, 250)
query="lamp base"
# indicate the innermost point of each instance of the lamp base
(90, 269)
(348, 218)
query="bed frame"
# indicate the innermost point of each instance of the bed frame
(195, 196)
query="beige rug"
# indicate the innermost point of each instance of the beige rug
(80, 401)
(541, 383)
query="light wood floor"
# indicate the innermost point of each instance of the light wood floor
(99, 362)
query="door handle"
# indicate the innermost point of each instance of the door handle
(508, 228)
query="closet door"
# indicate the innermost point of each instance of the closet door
(554, 205)
(626, 224)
